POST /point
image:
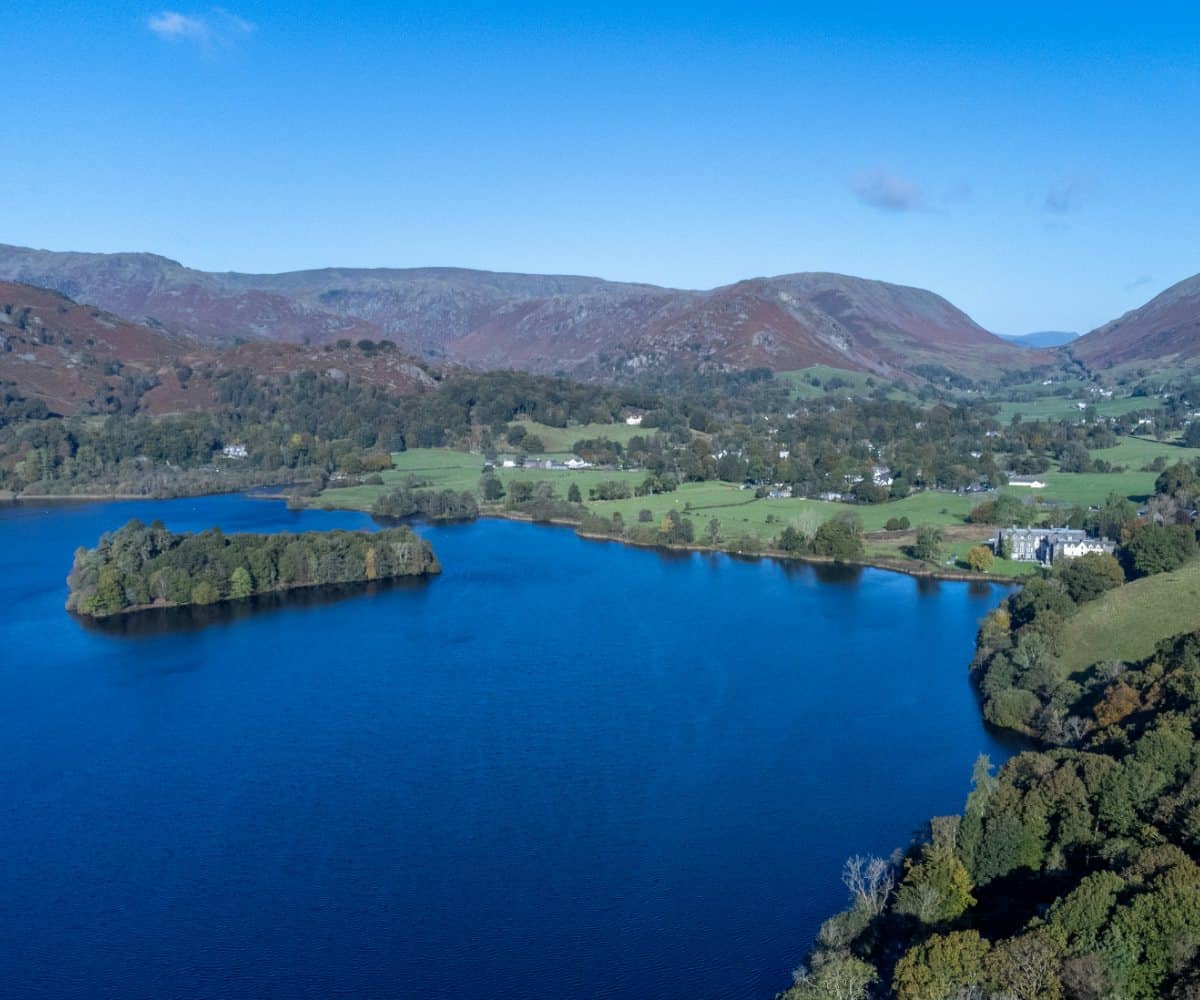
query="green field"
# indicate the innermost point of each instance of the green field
(558, 440)
(445, 469)
(857, 383)
(1127, 623)
(737, 509)
(1066, 408)
(1136, 452)
(1089, 489)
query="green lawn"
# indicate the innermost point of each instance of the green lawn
(1127, 623)
(1001, 567)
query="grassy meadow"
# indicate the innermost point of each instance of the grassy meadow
(1127, 623)
(1092, 488)
(558, 440)
(1067, 408)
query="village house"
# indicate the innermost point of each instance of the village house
(1032, 482)
(634, 420)
(234, 451)
(1048, 545)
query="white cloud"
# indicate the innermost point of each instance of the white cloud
(219, 27)
(887, 192)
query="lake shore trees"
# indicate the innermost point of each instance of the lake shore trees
(143, 566)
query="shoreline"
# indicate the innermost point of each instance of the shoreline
(906, 567)
(138, 609)
(912, 569)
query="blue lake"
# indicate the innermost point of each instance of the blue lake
(563, 768)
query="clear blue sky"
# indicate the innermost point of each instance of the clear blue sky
(1040, 168)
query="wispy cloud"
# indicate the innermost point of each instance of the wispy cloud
(1065, 196)
(216, 29)
(1139, 282)
(887, 192)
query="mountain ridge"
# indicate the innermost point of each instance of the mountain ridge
(1164, 331)
(572, 324)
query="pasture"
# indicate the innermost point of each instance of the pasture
(1127, 623)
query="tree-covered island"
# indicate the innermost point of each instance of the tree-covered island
(145, 566)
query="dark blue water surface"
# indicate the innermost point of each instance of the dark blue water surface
(563, 768)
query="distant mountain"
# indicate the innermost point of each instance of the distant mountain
(586, 327)
(1165, 331)
(1041, 339)
(80, 359)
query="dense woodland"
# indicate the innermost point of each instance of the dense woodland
(141, 566)
(1073, 872)
(743, 427)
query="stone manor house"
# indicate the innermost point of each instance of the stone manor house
(1048, 545)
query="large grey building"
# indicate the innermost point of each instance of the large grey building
(1048, 545)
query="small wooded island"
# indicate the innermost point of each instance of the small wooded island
(146, 566)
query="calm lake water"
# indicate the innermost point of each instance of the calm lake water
(563, 768)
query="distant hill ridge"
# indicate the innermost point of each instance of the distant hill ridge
(581, 326)
(1042, 338)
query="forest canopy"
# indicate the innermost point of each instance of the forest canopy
(142, 566)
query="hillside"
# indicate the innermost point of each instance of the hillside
(80, 359)
(582, 326)
(1128, 622)
(1163, 332)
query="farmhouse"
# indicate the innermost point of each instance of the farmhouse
(634, 420)
(1030, 481)
(234, 451)
(1048, 545)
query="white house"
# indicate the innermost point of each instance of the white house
(575, 462)
(234, 451)
(784, 453)
(634, 420)
(1029, 481)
